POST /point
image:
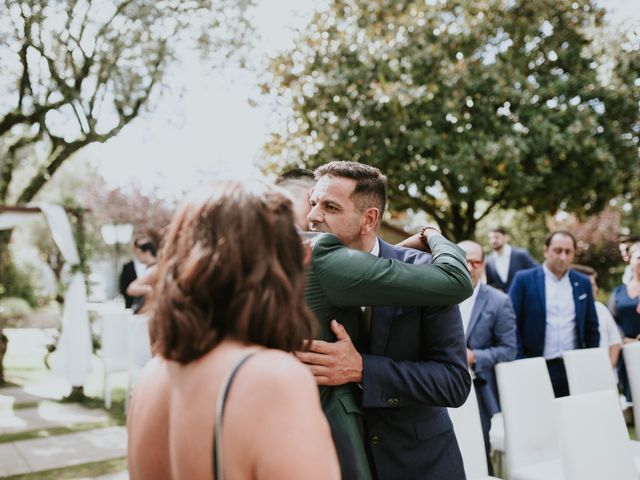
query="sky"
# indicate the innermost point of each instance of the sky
(211, 130)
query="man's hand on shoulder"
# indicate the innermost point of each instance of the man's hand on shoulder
(420, 240)
(333, 363)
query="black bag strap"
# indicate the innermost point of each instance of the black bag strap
(220, 405)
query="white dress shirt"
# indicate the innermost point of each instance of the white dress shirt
(609, 332)
(466, 307)
(139, 267)
(560, 334)
(502, 262)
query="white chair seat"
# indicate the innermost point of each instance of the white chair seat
(468, 429)
(593, 437)
(631, 354)
(496, 433)
(551, 470)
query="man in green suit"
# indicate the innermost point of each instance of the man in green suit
(340, 281)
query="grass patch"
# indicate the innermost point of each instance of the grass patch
(22, 406)
(87, 470)
(49, 432)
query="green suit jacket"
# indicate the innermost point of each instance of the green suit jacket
(341, 280)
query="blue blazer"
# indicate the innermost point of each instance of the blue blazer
(528, 296)
(520, 260)
(491, 334)
(416, 367)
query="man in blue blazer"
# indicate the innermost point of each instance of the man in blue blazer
(415, 364)
(505, 261)
(490, 328)
(555, 309)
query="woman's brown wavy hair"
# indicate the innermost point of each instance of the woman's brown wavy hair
(231, 267)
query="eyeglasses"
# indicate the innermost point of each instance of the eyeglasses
(475, 263)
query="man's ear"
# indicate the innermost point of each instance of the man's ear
(307, 253)
(370, 222)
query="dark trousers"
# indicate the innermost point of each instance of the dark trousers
(558, 376)
(485, 421)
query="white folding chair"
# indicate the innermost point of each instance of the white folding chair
(468, 429)
(526, 398)
(139, 350)
(589, 370)
(113, 341)
(631, 353)
(593, 437)
(496, 439)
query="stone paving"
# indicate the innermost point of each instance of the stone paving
(33, 408)
(60, 451)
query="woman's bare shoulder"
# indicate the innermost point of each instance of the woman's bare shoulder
(280, 370)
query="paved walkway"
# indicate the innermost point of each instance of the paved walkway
(38, 433)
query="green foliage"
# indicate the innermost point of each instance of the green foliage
(13, 310)
(76, 72)
(468, 106)
(17, 282)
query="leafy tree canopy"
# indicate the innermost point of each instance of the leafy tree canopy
(75, 72)
(468, 106)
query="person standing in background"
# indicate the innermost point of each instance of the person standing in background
(625, 309)
(610, 337)
(555, 310)
(505, 261)
(489, 324)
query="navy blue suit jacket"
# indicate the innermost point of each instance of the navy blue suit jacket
(520, 260)
(491, 334)
(417, 366)
(528, 297)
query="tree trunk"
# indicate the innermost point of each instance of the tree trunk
(5, 262)
(5, 257)
(4, 342)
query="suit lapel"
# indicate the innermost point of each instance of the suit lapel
(541, 290)
(579, 303)
(512, 266)
(382, 317)
(478, 308)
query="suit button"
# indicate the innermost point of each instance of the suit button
(392, 402)
(375, 440)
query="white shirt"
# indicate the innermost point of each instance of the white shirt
(466, 308)
(609, 332)
(139, 267)
(560, 334)
(375, 250)
(502, 261)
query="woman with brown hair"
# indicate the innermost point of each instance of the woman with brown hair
(229, 290)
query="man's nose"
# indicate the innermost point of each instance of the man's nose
(315, 215)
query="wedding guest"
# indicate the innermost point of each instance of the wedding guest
(230, 290)
(625, 309)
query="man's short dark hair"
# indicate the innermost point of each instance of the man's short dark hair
(585, 269)
(371, 184)
(549, 238)
(295, 174)
(499, 229)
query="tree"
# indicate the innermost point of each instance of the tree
(467, 106)
(76, 72)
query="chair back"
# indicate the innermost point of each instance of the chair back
(594, 442)
(468, 429)
(113, 339)
(139, 345)
(631, 354)
(526, 397)
(589, 370)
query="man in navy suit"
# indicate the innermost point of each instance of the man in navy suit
(490, 327)
(414, 364)
(505, 261)
(555, 309)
